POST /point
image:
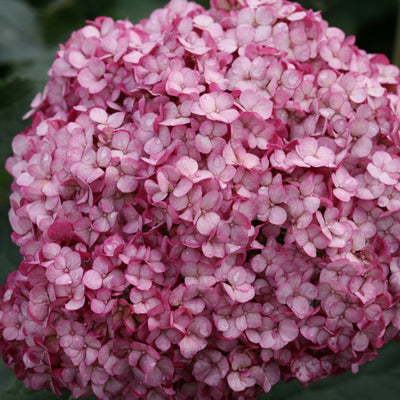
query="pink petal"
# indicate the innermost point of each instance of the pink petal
(288, 330)
(277, 215)
(63, 279)
(360, 342)
(98, 115)
(92, 279)
(300, 306)
(77, 59)
(235, 382)
(75, 304)
(207, 223)
(341, 194)
(190, 345)
(115, 120)
(183, 187)
(127, 184)
(307, 147)
(187, 166)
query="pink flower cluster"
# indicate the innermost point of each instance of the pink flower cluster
(206, 202)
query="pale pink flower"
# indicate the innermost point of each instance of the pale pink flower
(310, 154)
(66, 269)
(92, 76)
(239, 287)
(297, 295)
(217, 106)
(385, 167)
(271, 335)
(306, 368)
(185, 81)
(250, 100)
(243, 374)
(345, 184)
(13, 324)
(211, 367)
(206, 219)
(196, 337)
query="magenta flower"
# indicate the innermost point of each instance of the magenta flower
(206, 202)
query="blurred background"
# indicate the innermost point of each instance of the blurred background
(30, 31)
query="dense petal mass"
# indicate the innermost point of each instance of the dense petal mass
(206, 202)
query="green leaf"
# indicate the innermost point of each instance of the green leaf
(15, 97)
(378, 379)
(374, 26)
(6, 377)
(135, 10)
(70, 15)
(343, 13)
(9, 252)
(34, 72)
(18, 391)
(19, 39)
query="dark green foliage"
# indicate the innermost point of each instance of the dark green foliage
(372, 23)
(19, 38)
(30, 31)
(378, 379)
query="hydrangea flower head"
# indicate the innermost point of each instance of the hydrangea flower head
(207, 202)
